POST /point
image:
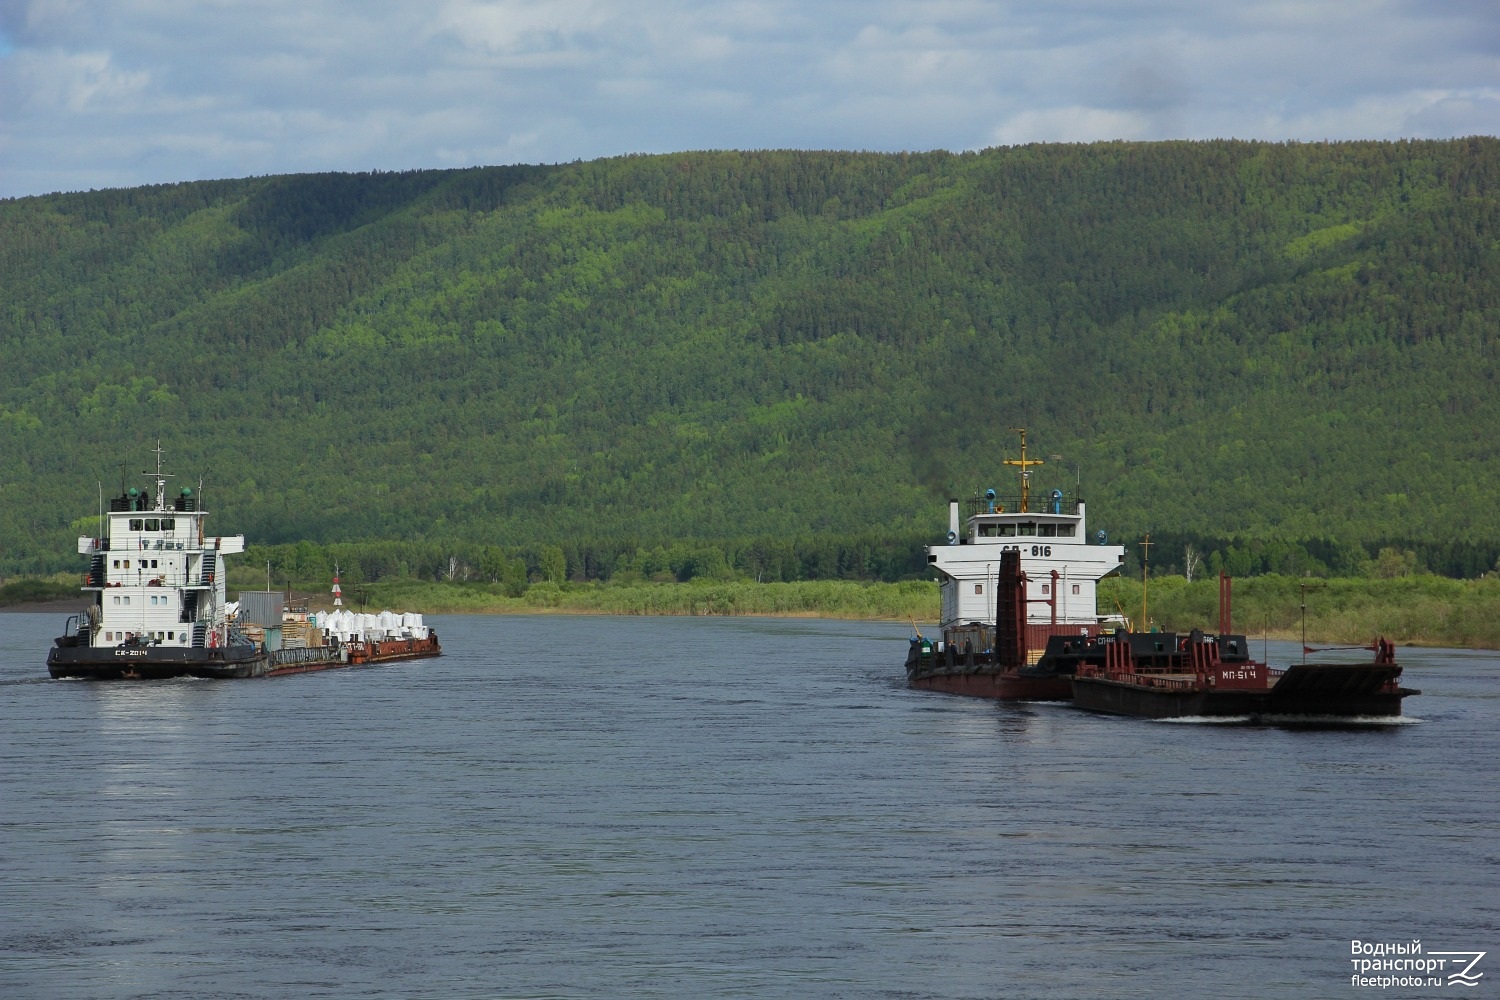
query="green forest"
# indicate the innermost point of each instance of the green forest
(771, 366)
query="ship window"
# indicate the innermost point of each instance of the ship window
(127, 563)
(1046, 588)
(1028, 529)
(135, 524)
(171, 636)
(117, 598)
(153, 564)
(168, 524)
(978, 588)
(1075, 588)
(1047, 531)
(986, 531)
(152, 524)
(117, 564)
(1007, 531)
(1064, 531)
(109, 637)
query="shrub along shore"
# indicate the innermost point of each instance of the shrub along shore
(1417, 610)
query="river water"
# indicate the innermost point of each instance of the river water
(712, 807)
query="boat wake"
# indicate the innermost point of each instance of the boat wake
(1304, 721)
(1341, 721)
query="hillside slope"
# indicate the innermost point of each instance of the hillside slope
(1222, 339)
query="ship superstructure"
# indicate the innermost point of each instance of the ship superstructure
(157, 577)
(1061, 562)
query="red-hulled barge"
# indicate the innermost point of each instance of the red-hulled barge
(353, 654)
(1165, 675)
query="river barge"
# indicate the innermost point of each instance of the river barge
(1167, 675)
(1054, 554)
(156, 606)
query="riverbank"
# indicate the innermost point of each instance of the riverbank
(1417, 610)
(1410, 611)
(913, 599)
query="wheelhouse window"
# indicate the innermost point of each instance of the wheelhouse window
(1007, 531)
(1028, 529)
(1047, 530)
(153, 524)
(137, 524)
(1065, 531)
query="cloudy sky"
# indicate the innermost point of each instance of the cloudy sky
(115, 93)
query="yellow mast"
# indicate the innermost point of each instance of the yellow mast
(1025, 464)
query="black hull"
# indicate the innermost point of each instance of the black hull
(1322, 691)
(118, 663)
(114, 663)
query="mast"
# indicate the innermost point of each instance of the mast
(1145, 564)
(161, 479)
(1025, 464)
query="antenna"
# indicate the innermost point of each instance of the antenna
(161, 479)
(1145, 566)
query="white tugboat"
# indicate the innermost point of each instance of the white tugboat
(156, 583)
(156, 605)
(1060, 568)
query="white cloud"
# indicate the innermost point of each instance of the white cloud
(78, 84)
(1071, 124)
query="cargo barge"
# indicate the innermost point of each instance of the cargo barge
(156, 606)
(1170, 675)
(1050, 544)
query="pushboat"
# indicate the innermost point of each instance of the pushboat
(156, 606)
(1052, 548)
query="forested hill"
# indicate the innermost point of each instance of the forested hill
(1217, 340)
